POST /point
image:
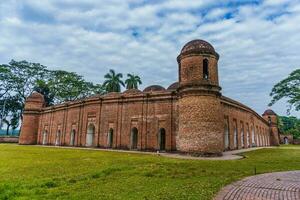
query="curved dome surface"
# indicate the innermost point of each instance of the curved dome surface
(269, 112)
(132, 91)
(196, 46)
(154, 88)
(36, 96)
(173, 86)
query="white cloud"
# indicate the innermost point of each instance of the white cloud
(258, 44)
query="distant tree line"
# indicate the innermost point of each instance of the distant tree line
(19, 79)
(289, 89)
(289, 125)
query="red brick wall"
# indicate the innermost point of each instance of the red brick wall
(244, 117)
(9, 139)
(147, 113)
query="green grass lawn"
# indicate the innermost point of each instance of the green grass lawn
(32, 172)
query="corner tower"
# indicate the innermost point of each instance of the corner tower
(271, 117)
(31, 115)
(200, 112)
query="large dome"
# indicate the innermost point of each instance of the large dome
(173, 86)
(154, 88)
(269, 112)
(197, 46)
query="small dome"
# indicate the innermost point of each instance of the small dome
(196, 46)
(269, 112)
(35, 96)
(112, 94)
(173, 86)
(154, 88)
(132, 91)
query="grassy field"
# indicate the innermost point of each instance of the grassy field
(32, 172)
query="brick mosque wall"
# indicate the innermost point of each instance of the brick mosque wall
(148, 113)
(249, 128)
(10, 139)
(191, 116)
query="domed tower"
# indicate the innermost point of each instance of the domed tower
(200, 112)
(31, 115)
(271, 117)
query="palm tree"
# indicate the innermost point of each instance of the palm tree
(133, 81)
(113, 81)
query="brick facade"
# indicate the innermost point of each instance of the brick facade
(191, 116)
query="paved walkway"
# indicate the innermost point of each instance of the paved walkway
(228, 155)
(271, 186)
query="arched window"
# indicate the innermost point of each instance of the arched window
(134, 138)
(226, 134)
(110, 138)
(253, 137)
(90, 135)
(257, 136)
(269, 119)
(242, 135)
(248, 136)
(162, 139)
(235, 135)
(57, 140)
(286, 140)
(45, 133)
(72, 138)
(205, 69)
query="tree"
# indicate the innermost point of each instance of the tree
(288, 88)
(5, 81)
(113, 81)
(132, 81)
(19, 79)
(289, 125)
(11, 112)
(24, 76)
(43, 88)
(69, 86)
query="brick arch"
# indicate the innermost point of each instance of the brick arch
(90, 135)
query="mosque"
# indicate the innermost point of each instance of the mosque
(190, 116)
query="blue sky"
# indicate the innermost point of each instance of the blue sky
(258, 41)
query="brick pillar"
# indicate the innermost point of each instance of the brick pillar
(201, 124)
(271, 117)
(31, 117)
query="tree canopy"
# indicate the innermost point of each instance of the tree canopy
(113, 81)
(19, 79)
(132, 81)
(289, 125)
(288, 88)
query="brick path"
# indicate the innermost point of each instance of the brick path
(228, 155)
(271, 186)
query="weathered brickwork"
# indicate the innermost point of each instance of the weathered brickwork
(191, 116)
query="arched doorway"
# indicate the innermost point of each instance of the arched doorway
(45, 133)
(253, 137)
(162, 139)
(72, 138)
(235, 136)
(286, 140)
(248, 137)
(90, 135)
(110, 138)
(57, 139)
(226, 135)
(134, 138)
(242, 136)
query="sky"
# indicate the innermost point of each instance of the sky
(258, 41)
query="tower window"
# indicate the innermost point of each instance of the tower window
(269, 119)
(205, 69)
